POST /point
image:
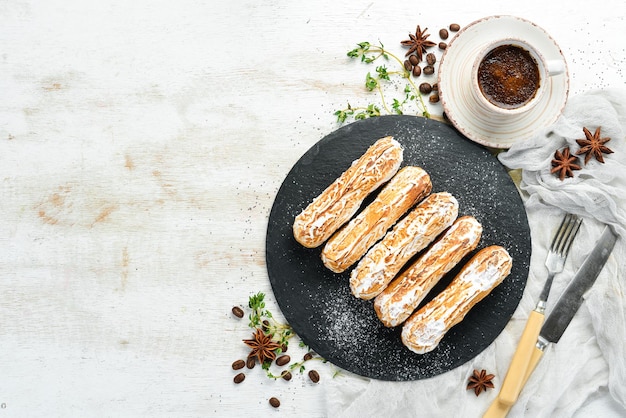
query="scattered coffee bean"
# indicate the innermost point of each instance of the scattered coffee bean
(443, 33)
(436, 87)
(407, 65)
(239, 364)
(239, 378)
(425, 88)
(429, 69)
(417, 71)
(286, 375)
(266, 325)
(282, 360)
(414, 60)
(283, 348)
(431, 59)
(274, 402)
(455, 27)
(314, 376)
(251, 362)
(434, 98)
(443, 45)
(237, 311)
(308, 356)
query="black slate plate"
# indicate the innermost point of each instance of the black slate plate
(318, 304)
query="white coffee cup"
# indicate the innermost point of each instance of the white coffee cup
(508, 80)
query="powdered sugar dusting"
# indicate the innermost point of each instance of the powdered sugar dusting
(318, 303)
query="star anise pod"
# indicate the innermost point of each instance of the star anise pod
(418, 43)
(480, 381)
(262, 346)
(593, 145)
(564, 163)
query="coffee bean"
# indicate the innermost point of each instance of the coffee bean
(414, 60)
(443, 33)
(417, 71)
(436, 87)
(286, 375)
(431, 59)
(266, 325)
(283, 348)
(251, 362)
(425, 88)
(274, 402)
(429, 69)
(455, 27)
(282, 360)
(314, 376)
(239, 378)
(443, 45)
(407, 65)
(239, 364)
(237, 311)
(434, 98)
(308, 356)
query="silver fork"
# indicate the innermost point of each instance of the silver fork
(555, 261)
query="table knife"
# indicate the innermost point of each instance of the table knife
(564, 310)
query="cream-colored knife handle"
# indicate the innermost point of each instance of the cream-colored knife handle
(534, 359)
(499, 409)
(514, 379)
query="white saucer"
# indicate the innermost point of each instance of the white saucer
(455, 72)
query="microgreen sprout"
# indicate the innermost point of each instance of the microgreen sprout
(368, 54)
(262, 317)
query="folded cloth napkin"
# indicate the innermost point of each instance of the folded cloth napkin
(588, 363)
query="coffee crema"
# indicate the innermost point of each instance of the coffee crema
(508, 76)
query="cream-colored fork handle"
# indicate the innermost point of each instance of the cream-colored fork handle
(499, 409)
(519, 370)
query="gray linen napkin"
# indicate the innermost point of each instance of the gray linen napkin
(589, 361)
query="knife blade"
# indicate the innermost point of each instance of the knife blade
(572, 297)
(564, 310)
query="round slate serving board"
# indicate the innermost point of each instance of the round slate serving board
(318, 304)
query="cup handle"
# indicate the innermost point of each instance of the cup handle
(555, 67)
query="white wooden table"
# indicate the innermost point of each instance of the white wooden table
(141, 147)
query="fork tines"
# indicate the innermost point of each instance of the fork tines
(568, 229)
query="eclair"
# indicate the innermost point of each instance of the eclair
(407, 238)
(409, 186)
(423, 331)
(334, 206)
(404, 294)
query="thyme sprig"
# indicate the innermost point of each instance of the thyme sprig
(260, 317)
(300, 364)
(369, 54)
(296, 366)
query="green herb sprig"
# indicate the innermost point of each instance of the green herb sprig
(260, 317)
(300, 364)
(369, 54)
(297, 366)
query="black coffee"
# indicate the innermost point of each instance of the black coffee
(508, 76)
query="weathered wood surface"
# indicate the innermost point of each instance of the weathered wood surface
(141, 146)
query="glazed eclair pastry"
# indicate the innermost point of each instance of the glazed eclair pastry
(423, 331)
(407, 238)
(398, 301)
(409, 186)
(340, 201)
